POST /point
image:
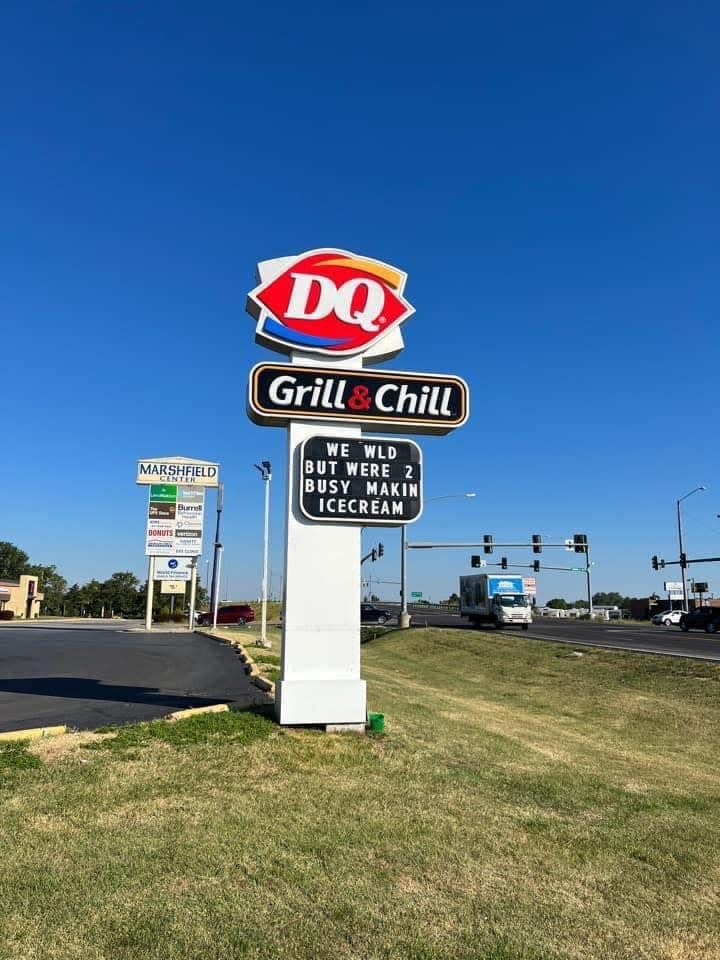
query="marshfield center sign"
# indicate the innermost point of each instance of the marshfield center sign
(335, 312)
(175, 513)
(178, 470)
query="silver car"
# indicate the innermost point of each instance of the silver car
(668, 618)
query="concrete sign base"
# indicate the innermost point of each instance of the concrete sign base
(321, 610)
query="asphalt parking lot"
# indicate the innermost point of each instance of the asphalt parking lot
(87, 677)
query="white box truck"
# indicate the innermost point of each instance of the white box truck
(501, 600)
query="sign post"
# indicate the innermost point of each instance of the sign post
(334, 312)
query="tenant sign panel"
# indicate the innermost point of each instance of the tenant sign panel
(174, 521)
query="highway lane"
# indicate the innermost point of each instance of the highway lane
(641, 638)
(86, 677)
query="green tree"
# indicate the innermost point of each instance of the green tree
(92, 599)
(120, 594)
(611, 599)
(557, 603)
(52, 585)
(13, 561)
(72, 601)
(581, 603)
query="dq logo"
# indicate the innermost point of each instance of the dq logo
(327, 301)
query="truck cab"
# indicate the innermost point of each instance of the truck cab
(511, 608)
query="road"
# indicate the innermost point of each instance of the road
(88, 675)
(643, 638)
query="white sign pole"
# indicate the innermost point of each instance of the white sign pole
(320, 669)
(149, 593)
(193, 588)
(263, 633)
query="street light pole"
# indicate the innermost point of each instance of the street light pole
(266, 473)
(214, 583)
(683, 561)
(404, 619)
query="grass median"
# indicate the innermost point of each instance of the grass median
(528, 802)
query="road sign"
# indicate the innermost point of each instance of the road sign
(579, 569)
(416, 594)
(368, 481)
(406, 402)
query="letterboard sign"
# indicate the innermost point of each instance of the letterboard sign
(370, 480)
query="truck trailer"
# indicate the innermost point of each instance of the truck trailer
(500, 600)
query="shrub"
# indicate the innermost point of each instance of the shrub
(6, 614)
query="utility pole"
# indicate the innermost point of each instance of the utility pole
(216, 554)
(683, 558)
(404, 620)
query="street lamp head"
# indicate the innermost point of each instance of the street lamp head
(694, 490)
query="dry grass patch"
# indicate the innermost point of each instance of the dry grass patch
(507, 814)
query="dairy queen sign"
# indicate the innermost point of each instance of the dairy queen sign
(335, 312)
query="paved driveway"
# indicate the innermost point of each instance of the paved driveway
(86, 677)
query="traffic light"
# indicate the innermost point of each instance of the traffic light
(536, 566)
(683, 559)
(654, 562)
(503, 563)
(487, 543)
(537, 543)
(662, 564)
(373, 554)
(580, 543)
(381, 550)
(475, 560)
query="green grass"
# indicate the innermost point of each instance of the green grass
(14, 756)
(523, 804)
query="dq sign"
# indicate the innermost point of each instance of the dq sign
(327, 301)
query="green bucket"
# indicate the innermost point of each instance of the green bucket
(376, 722)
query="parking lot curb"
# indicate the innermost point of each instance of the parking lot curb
(34, 733)
(251, 666)
(195, 711)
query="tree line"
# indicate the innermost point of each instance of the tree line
(121, 595)
(611, 599)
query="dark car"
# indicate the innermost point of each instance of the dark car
(239, 613)
(702, 618)
(372, 614)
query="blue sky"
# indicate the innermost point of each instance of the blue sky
(547, 175)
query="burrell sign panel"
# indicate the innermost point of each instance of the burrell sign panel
(366, 481)
(408, 402)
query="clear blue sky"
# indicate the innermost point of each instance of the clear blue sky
(547, 174)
